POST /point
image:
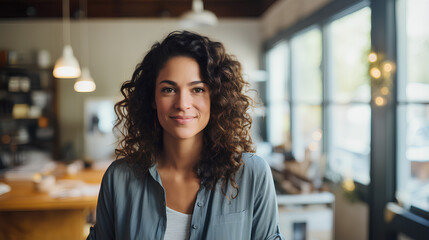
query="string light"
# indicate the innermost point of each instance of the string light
(381, 72)
(387, 67)
(348, 184)
(375, 73)
(379, 101)
(372, 57)
(384, 90)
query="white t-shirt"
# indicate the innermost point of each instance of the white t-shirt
(178, 225)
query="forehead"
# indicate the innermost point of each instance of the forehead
(180, 69)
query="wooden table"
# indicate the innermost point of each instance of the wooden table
(27, 214)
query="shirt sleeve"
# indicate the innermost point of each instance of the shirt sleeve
(265, 215)
(104, 226)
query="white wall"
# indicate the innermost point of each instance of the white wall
(115, 48)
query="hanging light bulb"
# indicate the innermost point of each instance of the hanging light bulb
(67, 65)
(85, 83)
(198, 17)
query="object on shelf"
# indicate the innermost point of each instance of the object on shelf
(20, 111)
(34, 112)
(44, 133)
(14, 84)
(39, 99)
(24, 84)
(3, 58)
(16, 58)
(43, 122)
(43, 58)
(22, 136)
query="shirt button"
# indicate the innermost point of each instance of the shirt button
(200, 204)
(195, 227)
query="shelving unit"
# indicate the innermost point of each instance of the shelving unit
(28, 113)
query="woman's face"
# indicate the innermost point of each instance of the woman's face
(182, 99)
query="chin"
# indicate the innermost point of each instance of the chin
(183, 135)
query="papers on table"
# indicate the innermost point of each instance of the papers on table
(74, 188)
(27, 172)
(4, 188)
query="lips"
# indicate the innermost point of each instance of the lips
(182, 119)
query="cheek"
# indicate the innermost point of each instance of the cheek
(204, 106)
(162, 105)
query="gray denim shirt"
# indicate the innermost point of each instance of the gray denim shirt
(132, 208)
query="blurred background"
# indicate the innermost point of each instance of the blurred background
(342, 114)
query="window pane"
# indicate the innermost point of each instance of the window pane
(417, 31)
(349, 148)
(279, 124)
(306, 61)
(277, 66)
(349, 123)
(413, 164)
(350, 44)
(307, 131)
(412, 118)
(277, 95)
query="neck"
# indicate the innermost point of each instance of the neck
(181, 154)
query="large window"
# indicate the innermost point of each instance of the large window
(413, 103)
(336, 88)
(310, 98)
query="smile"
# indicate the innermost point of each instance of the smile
(182, 119)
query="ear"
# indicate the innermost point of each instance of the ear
(153, 105)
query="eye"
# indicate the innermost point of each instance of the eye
(199, 90)
(167, 90)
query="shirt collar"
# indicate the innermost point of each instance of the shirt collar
(153, 171)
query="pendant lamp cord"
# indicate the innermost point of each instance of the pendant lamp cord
(66, 22)
(85, 33)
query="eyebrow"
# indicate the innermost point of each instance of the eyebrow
(175, 84)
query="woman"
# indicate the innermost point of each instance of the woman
(185, 170)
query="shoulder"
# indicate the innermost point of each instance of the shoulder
(254, 176)
(254, 167)
(253, 162)
(118, 166)
(118, 171)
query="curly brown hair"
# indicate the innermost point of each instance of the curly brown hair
(226, 136)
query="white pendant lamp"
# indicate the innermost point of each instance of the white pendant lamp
(67, 65)
(85, 83)
(198, 17)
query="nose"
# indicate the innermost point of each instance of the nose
(183, 100)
